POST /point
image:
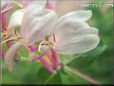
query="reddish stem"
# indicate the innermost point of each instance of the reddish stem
(26, 3)
(47, 65)
(4, 22)
(4, 27)
(55, 59)
(32, 48)
(2, 53)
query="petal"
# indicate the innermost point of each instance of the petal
(51, 4)
(65, 30)
(34, 6)
(5, 3)
(79, 16)
(79, 44)
(69, 30)
(26, 3)
(37, 27)
(10, 54)
(6, 9)
(16, 19)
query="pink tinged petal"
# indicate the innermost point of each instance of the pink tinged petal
(64, 30)
(26, 3)
(6, 9)
(47, 65)
(51, 4)
(55, 59)
(4, 22)
(16, 19)
(7, 5)
(69, 29)
(77, 16)
(79, 44)
(32, 15)
(35, 6)
(40, 26)
(10, 54)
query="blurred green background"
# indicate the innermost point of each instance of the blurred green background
(98, 63)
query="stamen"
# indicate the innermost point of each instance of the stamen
(39, 49)
(11, 39)
(5, 35)
(16, 33)
(54, 37)
(40, 45)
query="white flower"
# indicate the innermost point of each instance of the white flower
(70, 34)
(18, 18)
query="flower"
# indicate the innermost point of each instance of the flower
(6, 6)
(21, 39)
(70, 34)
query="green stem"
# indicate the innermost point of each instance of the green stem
(49, 78)
(77, 72)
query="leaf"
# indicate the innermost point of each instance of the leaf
(23, 52)
(42, 75)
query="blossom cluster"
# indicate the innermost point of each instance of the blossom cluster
(36, 27)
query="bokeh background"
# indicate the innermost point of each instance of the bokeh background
(98, 63)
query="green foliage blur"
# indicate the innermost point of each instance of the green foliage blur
(98, 63)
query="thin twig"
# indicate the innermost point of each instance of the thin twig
(77, 72)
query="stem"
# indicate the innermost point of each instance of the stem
(4, 27)
(77, 72)
(55, 59)
(2, 53)
(47, 65)
(49, 78)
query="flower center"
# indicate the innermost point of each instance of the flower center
(7, 37)
(45, 44)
